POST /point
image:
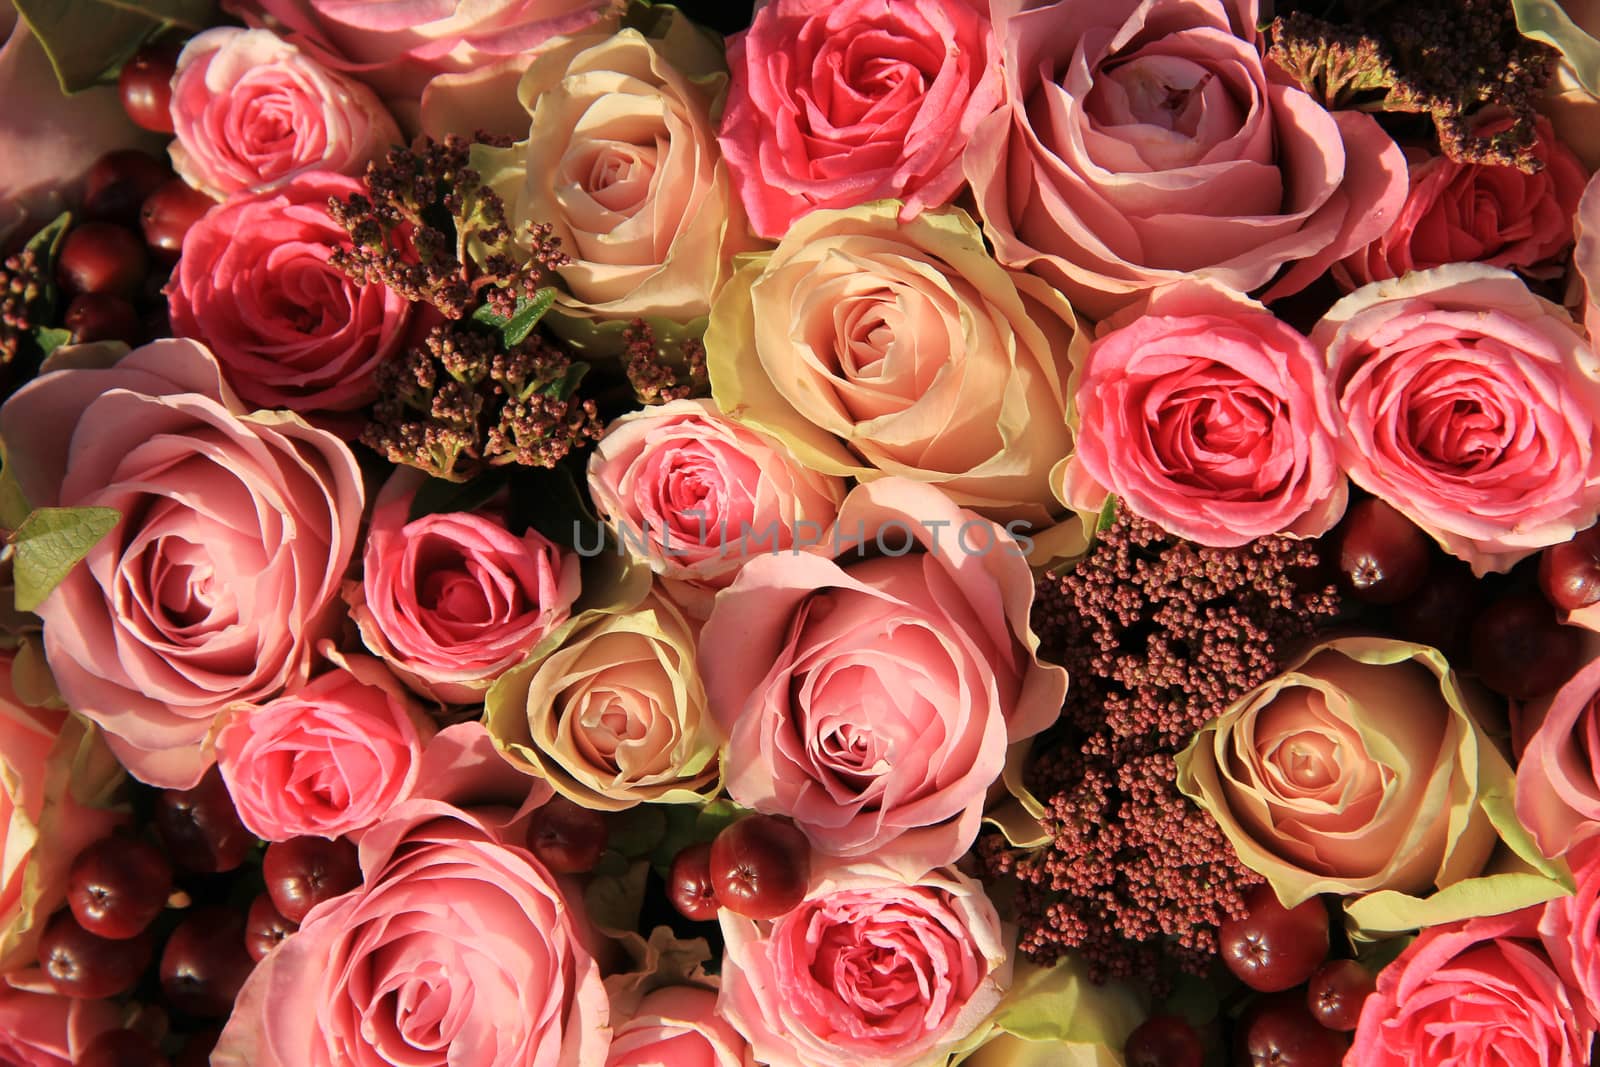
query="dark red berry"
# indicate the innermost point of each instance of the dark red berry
(689, 885)
(1278, 1031)
(567, 837)
(168, 214)
(266, 928)
(101, 317)
(1383, 557)
(205, 963)
(146, 86)
(119, 183)
(117, 886)
(1336, 992)
(102, 257)
(122, 1048)
(83, 965)
(1274, 947)
(1521, 650)
(1440, 613)
(197, 1050)
(200, 827)
(1569, 573)
(304, 871)
(1165, 1041)
(760, 867)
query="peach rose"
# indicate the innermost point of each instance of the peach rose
(252, 111)
(1143, 142)
(224, 571)
(1558, 777)
(677, 1026)
(1209, 416)
(872, 699)
(869, 969)
(41, 1028)
(1470, 405)
(1362, 767)
(874, 347)
(612, 713)
(328, 759)
(697, 494)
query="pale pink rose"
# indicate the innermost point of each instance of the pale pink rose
(697, 494)
(451, 600)
(225, 568)
(52, 767)
(1477, 213)
(328, 759)
(1484, 993)
(677, 1026)
(835, 104)
(399, 46)
(458, 948)
(1570, 928)
(1558, 777)
(869, 969)
(290, 330)
(252, 111)
(1144, 141)
(872, 699)
(1209, 416)
(1586, 256)
(1470, 405)
(41, 1028)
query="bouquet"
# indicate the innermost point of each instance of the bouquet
(910, 533)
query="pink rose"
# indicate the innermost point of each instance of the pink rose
(1558, 778)
(252, 111)
(1209, 416)
(290, 330)
(41, 1028)
(328, 759)
(225, 568)
(1484, 993)
(677, 1026)
(1144, 142)
(869, 969)
(398, 46)
(1570, 928)
(1586, 255)
(697, 494)
(835, 104)
(458, 948)
(451, 600)
(1469, 404)
(872, 699)
(1474, 213)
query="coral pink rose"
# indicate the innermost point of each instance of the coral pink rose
(252, 111)
(1209, 416)
(41, 1028)
(224, 571)
(290, 330)
(677, 1026)
(1470, 405)
(835, 104)
(1475, 213)
(1144, 142)
(872, 699)
(1558, 778)
(869, 969)
(1570, 928)
(458, 948)
(328, 759)
(1480, 994)
(697, 494)
(451, 600)
(1586, 256)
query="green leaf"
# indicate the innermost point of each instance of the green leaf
(1108, 515)
(1546, 21)
(636, 831)
(440, 495)
(52, 541)
(568, 384)
(85, 39)
(190, 14)
(50, 338)
(14, 507)
(551, 501)
(46, 245)
(524, 317)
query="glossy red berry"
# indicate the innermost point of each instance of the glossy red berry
(101, 317)
(1164, 1041)
(1336, 992)
(689, 885)
(1278, 1031)
(1274, 947)
(1383, 557)
(118, 184)
(122, 1048)
(204, 964)
(117, 886)
(304, 871)
(146, 86)
(567, 837)
(102, 257)
(760, 866)
(200, 828)
(167, 215)
(1569, 573)
(1519, 648)
(83, 965)
(265, 928)
(1440, 613)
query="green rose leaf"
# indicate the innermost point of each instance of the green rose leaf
(50, 338)
(1547, 21)
(14, 506)
(52, 541)
(524, 317)
(440, 495)
(85, 39)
